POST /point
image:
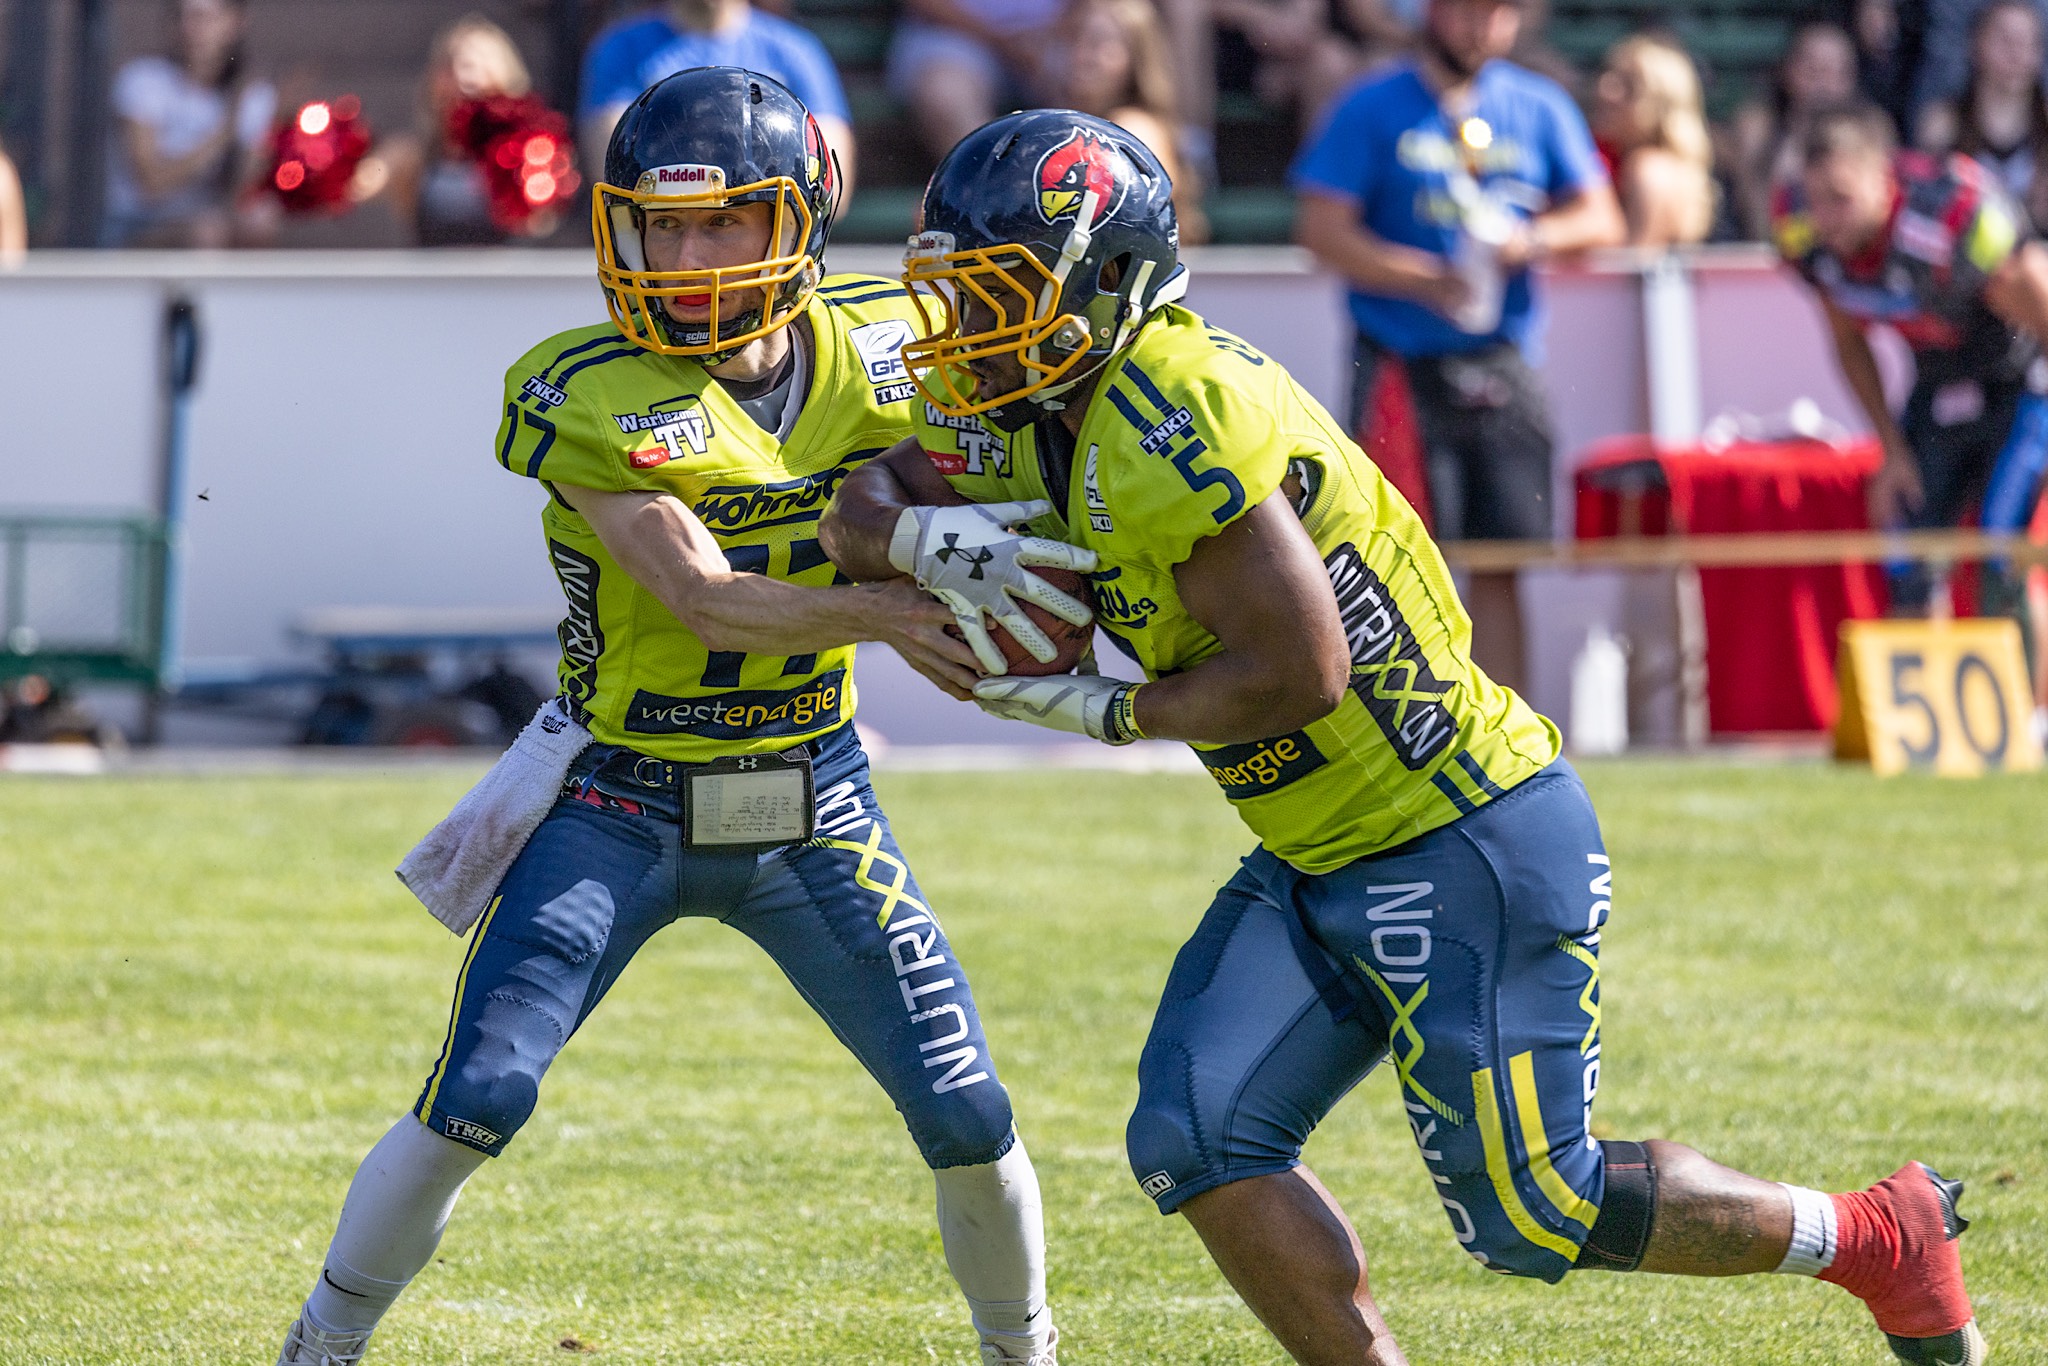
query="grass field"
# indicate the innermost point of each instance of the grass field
(214, 997)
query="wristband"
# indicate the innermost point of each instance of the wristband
(1122, 720)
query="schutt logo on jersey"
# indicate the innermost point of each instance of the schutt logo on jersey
(1082, 163)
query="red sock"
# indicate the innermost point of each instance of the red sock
(1893, 1253)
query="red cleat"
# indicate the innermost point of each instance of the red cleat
(1895, 1249)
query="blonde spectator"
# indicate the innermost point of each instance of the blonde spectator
(1650, 122)
(1818, 72)
(1119, 67)
(2002, 118)
(191, 136)
(435, 187)
(13, 215)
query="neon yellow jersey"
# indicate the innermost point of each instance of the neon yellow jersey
(590, 409)
(1189, 429)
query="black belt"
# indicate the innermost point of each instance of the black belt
(630, 768)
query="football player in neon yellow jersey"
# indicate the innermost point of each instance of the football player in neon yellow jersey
(1430, 884)
(688, 449)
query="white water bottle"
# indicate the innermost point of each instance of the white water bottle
(1486, 229)
(1599, 716)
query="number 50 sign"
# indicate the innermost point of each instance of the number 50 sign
(1951, 697)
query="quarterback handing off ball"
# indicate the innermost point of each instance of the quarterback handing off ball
(1072, 642)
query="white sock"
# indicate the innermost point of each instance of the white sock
(993, 1227)
(1813, 1234)
(390, 1225)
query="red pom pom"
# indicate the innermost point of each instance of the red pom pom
(314, 155)
(522, 147)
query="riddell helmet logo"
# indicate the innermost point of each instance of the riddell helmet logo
(1082, 163)
(680, 180)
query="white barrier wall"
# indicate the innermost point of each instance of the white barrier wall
(347, 402)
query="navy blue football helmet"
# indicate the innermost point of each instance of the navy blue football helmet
(1020, 222)
(706, 138)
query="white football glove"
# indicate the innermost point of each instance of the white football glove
(969, 559)
(1079, 703)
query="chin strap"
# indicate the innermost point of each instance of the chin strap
(1136, 310)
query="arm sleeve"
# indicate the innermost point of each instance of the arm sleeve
(808, 70)
(1338, 159)
(1575, 164)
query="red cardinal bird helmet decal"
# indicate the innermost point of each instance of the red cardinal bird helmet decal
(818, 158)
(1082, 163)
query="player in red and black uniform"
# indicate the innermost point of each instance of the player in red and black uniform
(1933, 248)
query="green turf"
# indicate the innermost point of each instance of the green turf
(214, 997)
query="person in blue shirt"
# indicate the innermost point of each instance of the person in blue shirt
(629, 56)
(1431, 189)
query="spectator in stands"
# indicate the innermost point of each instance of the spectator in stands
(1945, 52)
(1652, 130)
(637, 51)
(1432, 188)
(1818, 72)
(1300, 53)
(436, 187)
(2002, 117)
(191, 133)
(13, 214)
(1118, 67)
(958, 63)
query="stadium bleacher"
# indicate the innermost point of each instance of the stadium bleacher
(1736, 43)
(375, 49)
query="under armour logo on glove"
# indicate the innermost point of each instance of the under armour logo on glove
(976, 557)
(970, 559)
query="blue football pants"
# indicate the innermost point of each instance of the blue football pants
(841, 916)
(1469, 956)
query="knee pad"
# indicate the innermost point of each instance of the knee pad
(1628, 1210)
(491, 1092)
(1164, 1154)
(967, 1128)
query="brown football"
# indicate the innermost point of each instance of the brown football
(1071, 641)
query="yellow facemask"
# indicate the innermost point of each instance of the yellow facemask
(1018, 291)
(635, 294)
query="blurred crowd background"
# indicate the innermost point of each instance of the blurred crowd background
(169, 123)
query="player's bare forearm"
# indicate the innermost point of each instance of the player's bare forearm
(1259, 587)
(856, 529)
(671, 554)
